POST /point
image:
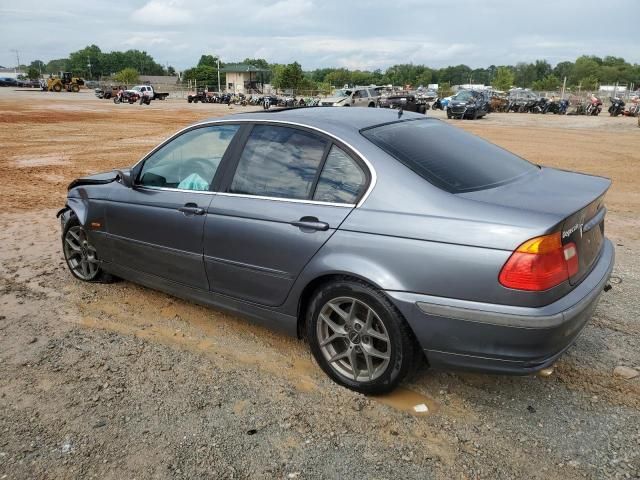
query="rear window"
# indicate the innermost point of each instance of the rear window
(448, 157)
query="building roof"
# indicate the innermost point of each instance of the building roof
(166, 79)
(241, 67)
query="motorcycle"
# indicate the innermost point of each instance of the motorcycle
(437, 105)
(125, 96)
(563, 106)
(617, 106)
(594, 107)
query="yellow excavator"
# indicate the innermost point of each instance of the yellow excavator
(64, 81)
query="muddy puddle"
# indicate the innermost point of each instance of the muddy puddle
(408, 401)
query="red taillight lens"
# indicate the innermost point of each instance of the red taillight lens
(540, 263)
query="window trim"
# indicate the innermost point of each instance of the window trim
(330, 141)
(246, 125)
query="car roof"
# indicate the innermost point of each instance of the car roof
(335, 120)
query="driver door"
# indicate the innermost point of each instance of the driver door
(156, 227)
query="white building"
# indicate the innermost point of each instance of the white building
(11, 73)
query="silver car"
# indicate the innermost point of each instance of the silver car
(358, 97)
(382, 237)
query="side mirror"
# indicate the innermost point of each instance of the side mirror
(124, 177)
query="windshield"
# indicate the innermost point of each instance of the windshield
(465, 95)
(341, 93)
(448, 157)
(137, 89)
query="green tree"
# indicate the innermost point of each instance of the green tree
(86, 62)
(548, 83)
(589, 83)
(525, 74)
(57, 65)
(33, 73)
(503, 79)
(209, 61)
(584, 67)
(564, 69)
(171, 71)
(128, 76)
(288, 76)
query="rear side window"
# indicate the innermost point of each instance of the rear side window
(448, 157)
(341, 180)
(278, 162)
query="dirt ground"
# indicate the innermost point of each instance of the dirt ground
(121, 382)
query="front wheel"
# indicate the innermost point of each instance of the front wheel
(80, 255)
(359, 338)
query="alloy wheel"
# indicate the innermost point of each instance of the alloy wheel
(353, 339)
(80, 254)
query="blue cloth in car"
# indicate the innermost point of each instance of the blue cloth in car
(194, 182)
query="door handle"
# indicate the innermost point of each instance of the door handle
(311, 223)
(191, 209)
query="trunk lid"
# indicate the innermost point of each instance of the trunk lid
(585, 229)
(574, 203)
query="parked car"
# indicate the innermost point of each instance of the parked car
(381, 240)
(28, 83)
(8, 82)
(408, 102)
(361, 97)
(468, 104)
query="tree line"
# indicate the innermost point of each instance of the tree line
(586, 72)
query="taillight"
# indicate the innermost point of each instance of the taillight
(540, 263)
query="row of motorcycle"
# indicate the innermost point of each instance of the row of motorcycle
(592, 106)
(267, 101)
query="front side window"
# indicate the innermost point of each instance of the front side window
(341, 181)
(278, 162)
(190, 161)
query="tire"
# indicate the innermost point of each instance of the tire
(391, 346)
(372, 105)
(81, 257)
(116, 100)
(75, 88)
(57, 87)
(189, 99)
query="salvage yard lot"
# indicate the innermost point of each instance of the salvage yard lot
(118, 381)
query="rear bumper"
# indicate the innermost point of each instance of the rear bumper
(503, 338)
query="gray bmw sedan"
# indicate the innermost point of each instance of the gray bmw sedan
(381, 237)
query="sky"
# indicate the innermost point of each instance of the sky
(325, 33)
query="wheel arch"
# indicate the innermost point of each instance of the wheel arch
(314, 284)
(79, 207)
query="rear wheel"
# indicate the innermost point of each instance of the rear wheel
(57, 87)
(359, 338)
(80, 255)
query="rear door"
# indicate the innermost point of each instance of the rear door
(287, 192)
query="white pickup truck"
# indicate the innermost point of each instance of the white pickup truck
(148, 91)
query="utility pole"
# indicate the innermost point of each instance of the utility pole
(564, 86)
(218, 62)
(17, 58)
(89, 65)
